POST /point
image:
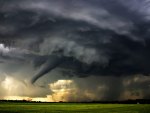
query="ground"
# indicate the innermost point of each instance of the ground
(73, 108)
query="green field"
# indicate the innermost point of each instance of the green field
(73, 108)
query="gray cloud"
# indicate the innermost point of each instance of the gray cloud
(81, 38)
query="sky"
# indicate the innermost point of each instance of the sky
(74, 50)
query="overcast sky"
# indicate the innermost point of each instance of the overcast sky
(75, 50)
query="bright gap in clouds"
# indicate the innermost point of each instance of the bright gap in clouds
(15, 90)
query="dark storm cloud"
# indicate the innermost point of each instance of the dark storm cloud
(91, 37)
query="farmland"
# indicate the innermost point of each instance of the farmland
(10, 107)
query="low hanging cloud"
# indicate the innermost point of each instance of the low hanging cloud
(81, 38)
(105, 88)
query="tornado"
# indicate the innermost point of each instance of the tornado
(52, 62)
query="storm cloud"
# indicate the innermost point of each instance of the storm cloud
(81, 38)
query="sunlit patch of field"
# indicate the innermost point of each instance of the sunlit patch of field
(73, 108)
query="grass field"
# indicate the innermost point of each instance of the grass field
(73, 108)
